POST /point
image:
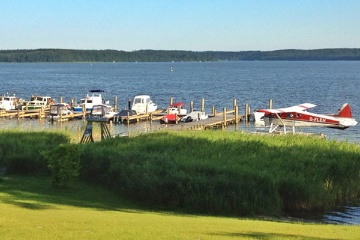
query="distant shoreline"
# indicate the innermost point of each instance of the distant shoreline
(71, 55)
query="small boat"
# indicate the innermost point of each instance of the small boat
(174, 113)
(143, 104)
(194, 116)
(94, 97)
(123, 115)
(8, 102)
(37, 102)
(170, 118)
(59, 111)
(104, 111)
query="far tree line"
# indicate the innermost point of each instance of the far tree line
(70, 55)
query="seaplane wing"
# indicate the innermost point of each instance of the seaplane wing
(298, 108)
(297, 116)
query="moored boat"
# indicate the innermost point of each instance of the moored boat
(124, 115)
(174, 113)
(59, 111)
(104, 111)
(8, 102)
(194, 116)
(94, 97)
(143, 104)
(37, 102)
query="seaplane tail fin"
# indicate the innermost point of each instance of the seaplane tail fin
(345, 111)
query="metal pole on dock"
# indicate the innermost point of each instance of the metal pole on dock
(202, 104)
(191, 106)
(270, 104)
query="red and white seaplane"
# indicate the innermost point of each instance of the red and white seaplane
(298, 116)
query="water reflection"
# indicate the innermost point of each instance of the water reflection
(346, 214)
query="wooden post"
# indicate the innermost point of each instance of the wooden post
(234, 104)
(61, 116)
(115, 103)
(224, 116)
(246, 112)
(83, 112)
(213, 111)
(61, 99)
(191, 106)
(171, 101)
(236, 114)
(128, 116)
(270, 104)
(202, 104)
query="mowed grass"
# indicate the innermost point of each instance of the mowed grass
(31, 209)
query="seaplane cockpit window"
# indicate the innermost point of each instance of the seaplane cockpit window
(298, 115)
(290, 115)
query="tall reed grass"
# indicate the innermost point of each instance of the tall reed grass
(215, 172)
(227, 173)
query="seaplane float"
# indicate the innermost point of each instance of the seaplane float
(298, 116)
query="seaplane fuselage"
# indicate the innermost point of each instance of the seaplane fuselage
(305, 119)
(297, 116)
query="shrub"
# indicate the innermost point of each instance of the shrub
(63, 163)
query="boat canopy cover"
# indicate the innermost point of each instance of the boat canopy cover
(96, 90)
(178, 104)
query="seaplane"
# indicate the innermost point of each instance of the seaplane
(298, 116)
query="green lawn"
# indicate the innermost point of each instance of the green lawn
(31, 209)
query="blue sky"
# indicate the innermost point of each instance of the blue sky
(196, 25)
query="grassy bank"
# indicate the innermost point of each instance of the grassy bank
(213, 172)
(32, 209)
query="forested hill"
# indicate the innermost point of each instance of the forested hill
(68, 55)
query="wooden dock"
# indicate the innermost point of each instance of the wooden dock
(141, 117)
(36, 113)
(216, 120)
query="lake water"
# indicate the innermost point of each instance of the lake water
(328, 84)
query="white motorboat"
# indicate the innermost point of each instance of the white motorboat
(8, 102)
(195, 116)
(143, 104)
(94, 97)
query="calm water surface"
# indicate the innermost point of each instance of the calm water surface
(326, 84)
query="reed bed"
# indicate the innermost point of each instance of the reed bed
(224, 173)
